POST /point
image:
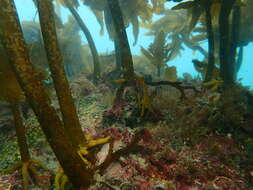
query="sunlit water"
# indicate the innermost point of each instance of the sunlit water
(27, 12)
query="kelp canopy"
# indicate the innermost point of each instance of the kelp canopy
(121, 121)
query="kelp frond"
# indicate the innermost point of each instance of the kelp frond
(60, 180)
(83, 151)
(214, 85)
(143, 98)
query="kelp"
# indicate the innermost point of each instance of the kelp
(137, 10)
(210, 34)
(158, 52)
(195, 7)
(74, 162)
(226, 67)
(235, 33)
(171, 21)
(38, 98)
(202, 67)
(121, 41)
(67, 107)
(72, 5)
(12, 93)
(10, 89)
(175, 24)
(228, 38)
(69, 42)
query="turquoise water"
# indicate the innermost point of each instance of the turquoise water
(27, 12)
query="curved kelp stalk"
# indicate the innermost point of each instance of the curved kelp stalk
(121, 40)
(13, 42)
(210, 35)
(226, 67)
(94, 52)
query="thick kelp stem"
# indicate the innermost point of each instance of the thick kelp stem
(14, 43)
(22, 143)
(210, 35)
(69, 114)
(111, 31)
(20, 133)
(226, 67)
(236, 17)
(93, 49)
(121, 39)
(117, 58)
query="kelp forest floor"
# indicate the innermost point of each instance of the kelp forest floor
(201, 142)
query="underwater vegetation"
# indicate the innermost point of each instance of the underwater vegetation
(158, 52)
(121, 121)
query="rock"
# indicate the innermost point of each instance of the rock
(81, 86)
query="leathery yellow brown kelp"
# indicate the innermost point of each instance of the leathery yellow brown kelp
(61, 180)
(87, 155)
(141, 88)
(28, 170)
(142, 97)
(26, 165)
